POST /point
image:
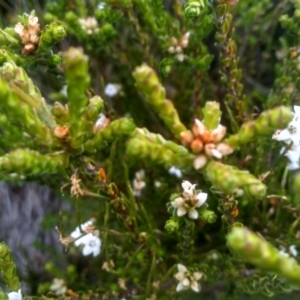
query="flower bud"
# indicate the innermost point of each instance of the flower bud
(208, 216)
(172, 225)
(186, 137)
(193, 8)
(196, 146)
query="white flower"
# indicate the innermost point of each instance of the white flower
(15, 295)
(112, 89)
(187, 279)
(157, 184)
(188, 204)
(90, 241)
(101, 5)
(77, 232)
(138, 186)
(291, 133)
(293, 155)
(92, 245)
(58, 286)
(175, 171)
(138, 183)
(291, 136)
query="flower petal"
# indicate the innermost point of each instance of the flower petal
(177, 202)
(181, 211)
(188, 187)
(216, 153)
(197, 275)
(181, 268)
(193, 214)
(179, 276)
(195, 286)
(297, 110)
(179, 287)
(185, 282)
(293, 166)
(284, 135)
(96, 251)
(200, 161)
(201, 197)
(87, 250)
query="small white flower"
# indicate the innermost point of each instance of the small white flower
(138, 186)
(15, 295)
(112, 89)
(101, 5)
(175, 171)
(293, 250)
(77, 232)
(189, 202)
(293, 155)
(58, 286)
(92, 245)
(157, 184)
(187, 279)
(291, 133)
(138, 183)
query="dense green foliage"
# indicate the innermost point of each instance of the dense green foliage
(149, 68)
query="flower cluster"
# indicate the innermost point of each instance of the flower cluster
(29, 36)
(187, 279)
(189, 201)
(205, 143)
(88, 238)
(291, 137)
(89, 25)
(178, 46)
